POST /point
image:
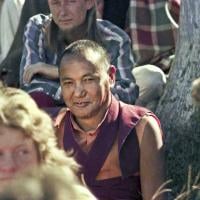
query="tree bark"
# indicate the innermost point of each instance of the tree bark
(180, 119)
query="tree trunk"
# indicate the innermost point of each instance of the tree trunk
(180, 119)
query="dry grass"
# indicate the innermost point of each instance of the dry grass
(190, 191)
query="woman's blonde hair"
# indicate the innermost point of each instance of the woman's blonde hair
(46, 183)
(18, 110)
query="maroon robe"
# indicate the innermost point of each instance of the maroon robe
(120, 121)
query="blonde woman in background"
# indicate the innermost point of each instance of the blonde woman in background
(27, 138)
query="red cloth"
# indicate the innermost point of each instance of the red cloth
(174, 7)
(152, 32)
(42, 100)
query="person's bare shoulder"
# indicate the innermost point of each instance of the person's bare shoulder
(148, 128)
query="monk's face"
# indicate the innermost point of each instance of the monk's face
(85, 89)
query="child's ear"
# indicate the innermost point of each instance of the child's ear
(195, 92)
(90, 4)
(112, 72)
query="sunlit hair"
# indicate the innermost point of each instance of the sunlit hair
(90, 51)
(18, 110)
(47, 183)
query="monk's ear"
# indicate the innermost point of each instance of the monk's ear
(111, 73)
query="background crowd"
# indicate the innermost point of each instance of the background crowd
(96, 60)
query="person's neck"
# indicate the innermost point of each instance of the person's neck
(93, 122)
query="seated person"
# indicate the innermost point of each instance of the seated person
(45, 37)
(9, 20)
(153, 47)
(120, 146)
(27, 137)
(46, 183)
(153, 37)
(9, 68)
